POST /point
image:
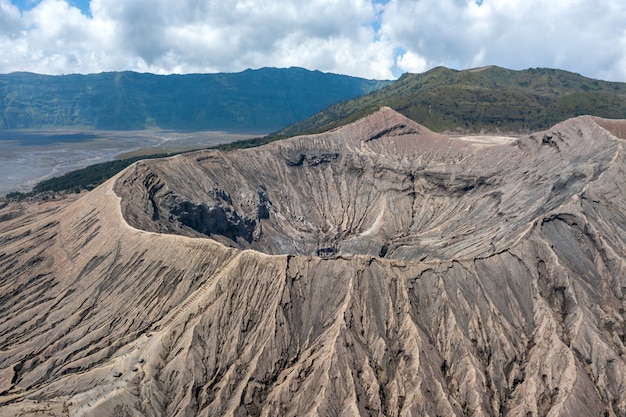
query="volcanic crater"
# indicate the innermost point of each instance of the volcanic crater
(379, 269)
(383, 186)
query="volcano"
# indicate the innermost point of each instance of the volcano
(378, 269)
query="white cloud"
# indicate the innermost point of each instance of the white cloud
(411, 62)
(577, 35)
(231, 35)
(357, 37)
(56, 38)
(10, 21)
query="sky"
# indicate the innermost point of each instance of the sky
(378, 39)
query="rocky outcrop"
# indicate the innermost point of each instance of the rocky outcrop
(378, 269)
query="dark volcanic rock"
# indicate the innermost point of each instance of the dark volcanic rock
(378, 269)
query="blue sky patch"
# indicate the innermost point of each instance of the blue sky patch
(82, 5)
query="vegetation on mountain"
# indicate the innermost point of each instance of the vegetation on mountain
(89, 177)
(253, 100)
(93, 175)
(81, 179)
(486, 99)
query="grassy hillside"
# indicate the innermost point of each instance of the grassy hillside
(257, 100)
(486, 99)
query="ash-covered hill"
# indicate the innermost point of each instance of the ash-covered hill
(253, 100)
(378, 269)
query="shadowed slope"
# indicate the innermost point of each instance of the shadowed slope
(258, 100)
(456, 279)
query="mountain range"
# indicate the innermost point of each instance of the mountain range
(296, 101)
(260, 100)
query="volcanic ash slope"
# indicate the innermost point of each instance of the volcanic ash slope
(376, 270)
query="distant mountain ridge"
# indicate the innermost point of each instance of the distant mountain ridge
(254, 100)
(481, 99)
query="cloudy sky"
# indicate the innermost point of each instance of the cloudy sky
(368, 38)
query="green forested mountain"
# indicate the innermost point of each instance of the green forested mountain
(258, 100)
(490, 99)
